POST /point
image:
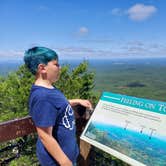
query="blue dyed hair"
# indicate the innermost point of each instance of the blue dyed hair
(38, 55)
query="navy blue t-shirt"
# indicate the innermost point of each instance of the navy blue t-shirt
(49, 107)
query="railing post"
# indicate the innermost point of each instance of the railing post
(82, 116)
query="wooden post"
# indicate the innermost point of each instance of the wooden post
(81, 121)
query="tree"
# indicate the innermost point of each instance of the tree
(76, 83)
(14, 94)
(15, 88)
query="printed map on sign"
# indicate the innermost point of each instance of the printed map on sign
(129, 128)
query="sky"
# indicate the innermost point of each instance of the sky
(84, 28)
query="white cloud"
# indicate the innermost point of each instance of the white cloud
(11, 53)
(130, 49)
(140, 12)
(97, 40)
(122, 50)
(83, 31)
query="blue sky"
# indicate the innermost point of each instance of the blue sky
(84, 28)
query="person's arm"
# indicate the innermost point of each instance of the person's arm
(85, 103)
(52, 146)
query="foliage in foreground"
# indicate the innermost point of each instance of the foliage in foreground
(14, 93)
(14, 89)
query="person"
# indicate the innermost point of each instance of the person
(51, 112)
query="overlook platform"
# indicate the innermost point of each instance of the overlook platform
(16, 131)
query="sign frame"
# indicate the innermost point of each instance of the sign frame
(144, 118)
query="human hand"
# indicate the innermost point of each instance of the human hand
(85, 103)
(82, 102)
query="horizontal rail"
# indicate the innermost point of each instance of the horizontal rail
(21, 127)
(16, 128)
(24, 126)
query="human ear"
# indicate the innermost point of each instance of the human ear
(41, 68)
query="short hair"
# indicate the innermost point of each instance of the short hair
(38, 55)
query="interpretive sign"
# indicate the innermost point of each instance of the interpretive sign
(129, 128)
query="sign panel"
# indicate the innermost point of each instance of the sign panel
(129, 128)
